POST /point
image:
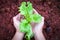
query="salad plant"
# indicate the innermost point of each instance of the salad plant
(26, 10)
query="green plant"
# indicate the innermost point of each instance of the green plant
(26, 10)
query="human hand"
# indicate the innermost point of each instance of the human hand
(37, 30)
(18, 35)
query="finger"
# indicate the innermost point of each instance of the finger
(35, 11)
(16, 22)
(18, 16)
(41, 24)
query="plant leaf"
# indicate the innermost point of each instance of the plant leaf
(36, 18)
(26, 28)
(22, 8)
(29, 8)
(23, 25)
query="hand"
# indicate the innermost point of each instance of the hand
(37, 30)
(18, 35)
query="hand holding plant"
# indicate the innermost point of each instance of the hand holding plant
(26, 10)
(30, 16)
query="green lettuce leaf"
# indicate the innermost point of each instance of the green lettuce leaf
(26, 10)
(36, 18)
(22, 8)
(29, 8)
(26, 28)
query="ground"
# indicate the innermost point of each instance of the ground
(50, 9)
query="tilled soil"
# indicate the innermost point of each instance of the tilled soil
(50, 9)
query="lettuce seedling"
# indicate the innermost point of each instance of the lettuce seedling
(26, 10)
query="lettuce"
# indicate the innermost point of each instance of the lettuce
(26, 10)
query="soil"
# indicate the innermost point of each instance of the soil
(50, 9)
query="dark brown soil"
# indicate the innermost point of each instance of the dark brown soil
(50, 9)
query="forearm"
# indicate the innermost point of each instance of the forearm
(18, 36)
(39, 35)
